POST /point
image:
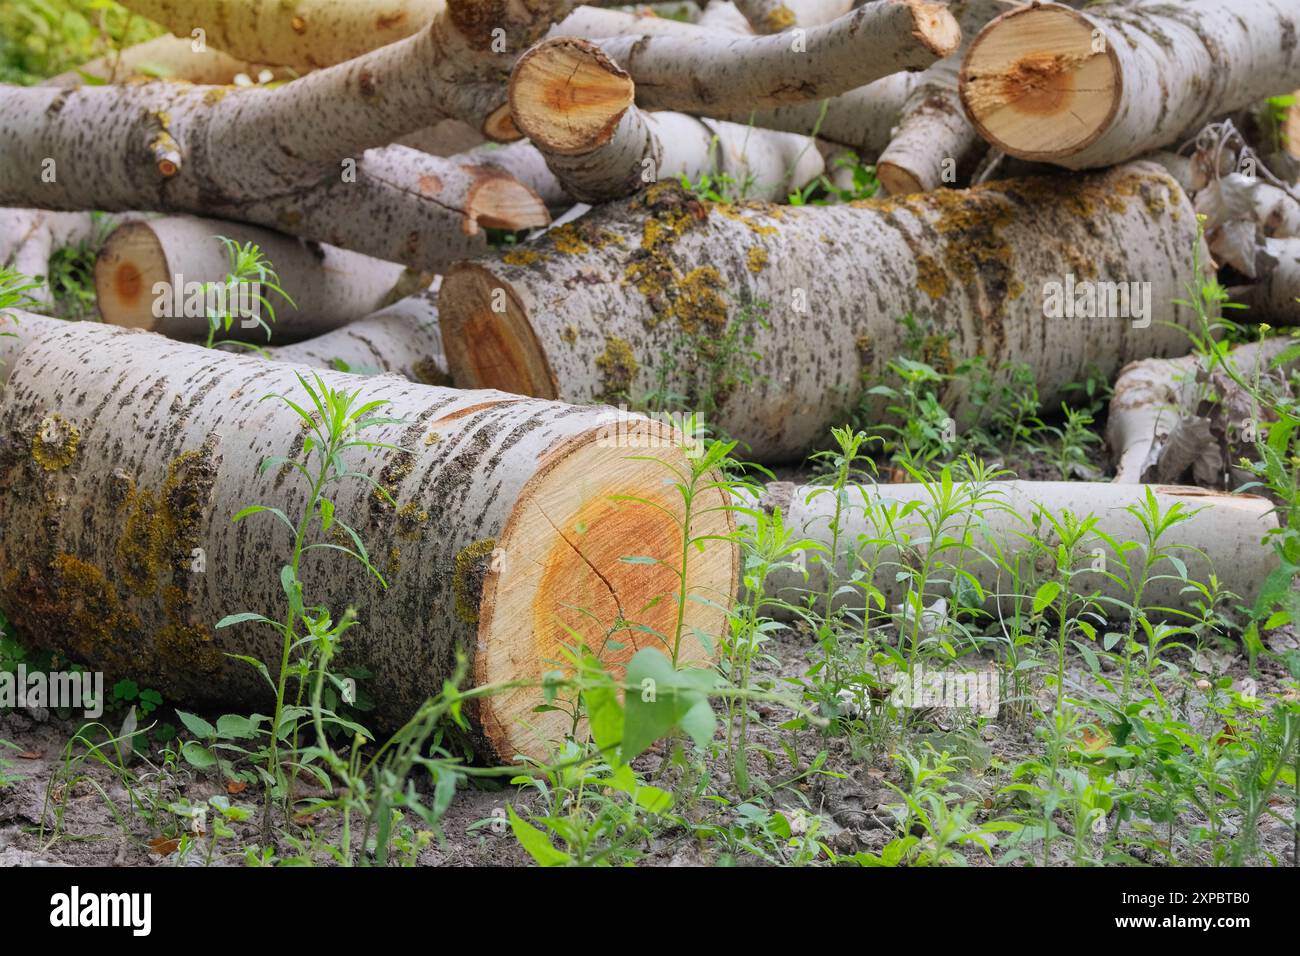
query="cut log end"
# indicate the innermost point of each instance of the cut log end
(567, 95)
(500, 202)
(488, 336)
(935, 27)
(500, 126)
(130, 264)
(897, 180)
(559, 570)
(1041, 82)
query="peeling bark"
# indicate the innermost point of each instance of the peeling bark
(143, 270)
(1094, 88)
(1223, 538)
(1154, 397)
(597, 308)
(576, 106)
(119, 548)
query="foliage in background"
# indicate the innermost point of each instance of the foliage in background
(42, 38)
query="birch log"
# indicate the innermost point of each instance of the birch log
(29, 238)
(305, 34)
(119, 549)
(934, 140)
(775, 16)
(717, 74)
(597, 308)
(149, 272)
(170, 148)
(576, 106)
(1274, 295)
(879, 533)
(1094, 88)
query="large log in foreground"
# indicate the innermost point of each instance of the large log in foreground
(597, 308)
(883, 529)
(1093, 88)
(126, 455)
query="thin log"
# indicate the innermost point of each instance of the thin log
(775, 16)
(576, 106)
(881, 538)
(147, 273)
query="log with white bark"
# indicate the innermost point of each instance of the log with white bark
(694, 70)
(1157, 427)
(180, 148)
(402, 338)
(595, 308)
(935, 141)
(1095, 87)
(305, 34)
(1224, 537)
(775, 16)
(29, 238)
(861, 119)
(576, 105)
(169, 58)
(509, 527)
(148, 272)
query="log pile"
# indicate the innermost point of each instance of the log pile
(502, 217)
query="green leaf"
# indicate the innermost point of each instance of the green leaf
(235, 727)
(197, 755)
(660, 699)
(605, 717)
(535, 841)
(197, 725)
(1047, 593)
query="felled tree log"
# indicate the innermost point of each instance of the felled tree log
(305, 34)
(1159, 425)
(30, 237)
(716, 74)
(166, 57)
(1224, 538)
(934, 137)
(402, 338)
(594, 309)
(774, 16)
(119, 549)
(1093, 88)
(138, 147)
(576, 105)
(148, 272)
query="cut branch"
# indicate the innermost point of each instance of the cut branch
(576, 106)
(717, 74)
(774, 16)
